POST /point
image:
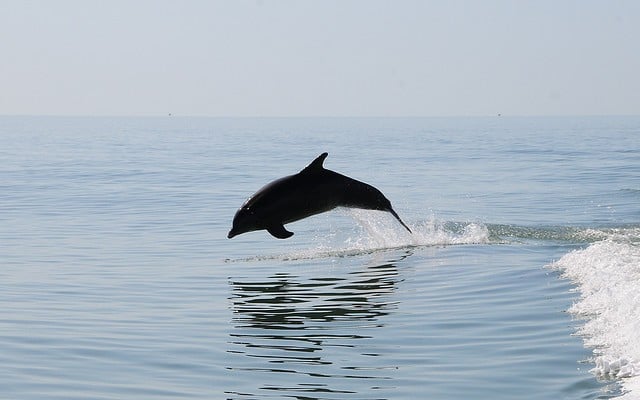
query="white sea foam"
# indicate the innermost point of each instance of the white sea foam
(379, 232)
(608, 277)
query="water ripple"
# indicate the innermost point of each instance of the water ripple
(310, 328)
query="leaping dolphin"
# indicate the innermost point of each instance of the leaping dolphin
(311, 191)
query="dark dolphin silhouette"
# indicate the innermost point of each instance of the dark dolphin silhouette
(313, 190)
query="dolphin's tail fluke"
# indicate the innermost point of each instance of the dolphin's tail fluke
(395, 214)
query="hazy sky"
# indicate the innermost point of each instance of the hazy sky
(310, 58)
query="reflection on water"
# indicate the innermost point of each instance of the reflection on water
(311, 336)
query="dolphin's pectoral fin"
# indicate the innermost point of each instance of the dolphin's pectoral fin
(278, 231)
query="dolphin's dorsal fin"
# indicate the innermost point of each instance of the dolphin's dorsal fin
(316, 165)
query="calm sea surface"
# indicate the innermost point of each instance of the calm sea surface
(521, 280)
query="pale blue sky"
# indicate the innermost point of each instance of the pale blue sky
(316, 58)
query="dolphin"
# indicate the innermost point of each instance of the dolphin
(311, 191)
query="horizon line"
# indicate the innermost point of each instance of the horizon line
(172, 115)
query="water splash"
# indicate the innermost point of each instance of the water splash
(378, 232)
(382, 232)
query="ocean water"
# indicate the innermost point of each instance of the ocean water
(521, 280)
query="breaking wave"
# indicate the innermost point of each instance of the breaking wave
(607, 275)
